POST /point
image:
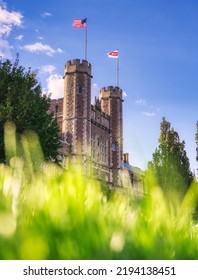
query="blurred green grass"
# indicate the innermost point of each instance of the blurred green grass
(49, 213)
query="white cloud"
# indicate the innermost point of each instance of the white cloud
(40, 38)
(19, 38)
(8, 20)
(5, 29)
(124, 94)
(5, 49)
(59, 50)
(55, 86)
(46, 14)
(140, 101)
(151, 110)
(47, 69)
(149, 114)
(41, 48)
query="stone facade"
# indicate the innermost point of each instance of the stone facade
(91, 134)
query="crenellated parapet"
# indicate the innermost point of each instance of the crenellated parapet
(111, 92)
(78, 66)
(111, 88)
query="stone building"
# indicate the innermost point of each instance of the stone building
(91, 134)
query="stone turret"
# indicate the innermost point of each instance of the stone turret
(111, 104)
(76, 127)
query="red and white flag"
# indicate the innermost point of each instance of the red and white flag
(113, 54)
(80, 23)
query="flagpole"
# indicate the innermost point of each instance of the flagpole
(117, 72)
(85, 47)
(114, 54)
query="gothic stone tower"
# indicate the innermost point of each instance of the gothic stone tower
(111, 104)
(76, 126)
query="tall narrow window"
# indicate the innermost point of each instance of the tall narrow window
(114, 147)
(80, 90)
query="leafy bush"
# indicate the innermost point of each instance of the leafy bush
(49, 213)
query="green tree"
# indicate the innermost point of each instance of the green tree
(196, 139)
(170, 164)
(22, 102)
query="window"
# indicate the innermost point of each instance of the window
(80, 90)
(114, 147)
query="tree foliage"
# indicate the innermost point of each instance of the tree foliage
(196, 139)
(170, 164)
(22, 102)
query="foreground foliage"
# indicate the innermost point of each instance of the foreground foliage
(49, 213)
(196, 139)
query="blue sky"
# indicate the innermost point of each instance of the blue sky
(158, 58)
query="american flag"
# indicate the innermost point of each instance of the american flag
(80, 23)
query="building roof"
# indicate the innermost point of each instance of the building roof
(135, 170)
